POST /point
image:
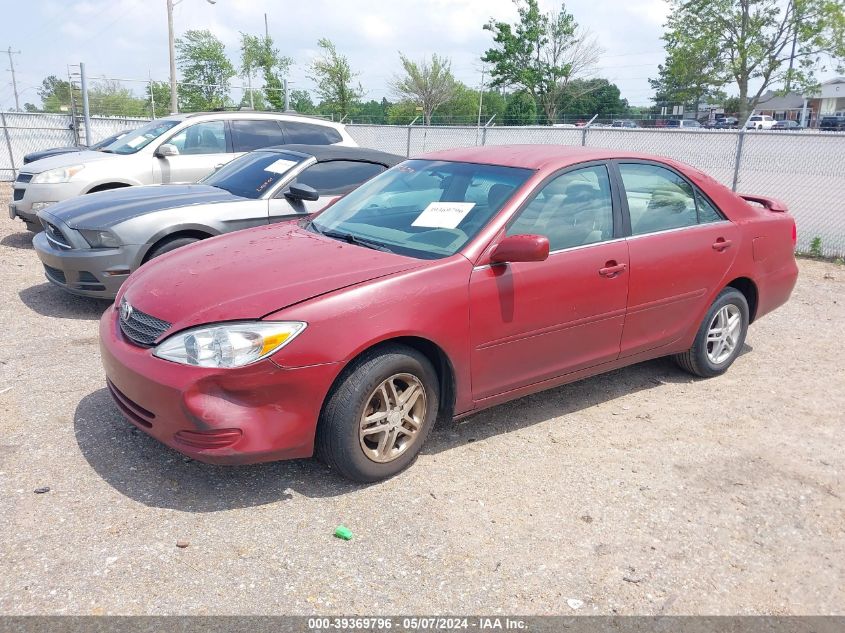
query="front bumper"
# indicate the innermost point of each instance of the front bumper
(276, 409)
(93, 272)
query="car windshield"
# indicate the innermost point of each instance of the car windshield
(100, 145)
(254, 174)
(422, 208)
(141, 137)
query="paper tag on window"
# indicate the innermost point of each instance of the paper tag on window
(280, 166)
(135, 142)
(443, 215)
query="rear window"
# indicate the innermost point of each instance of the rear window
(310, 133)
(248, 135)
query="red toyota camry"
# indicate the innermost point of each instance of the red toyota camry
(448, 284)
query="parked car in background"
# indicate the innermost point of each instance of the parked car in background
(832, 123)
(56, 151)
(787, 124)
(448, 284)
(624, 123)
(726, 123)
(682, 124)
(760, 122)
(91, 244)
(176, 149)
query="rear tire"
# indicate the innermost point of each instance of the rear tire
(169, 245)
(363, 401)
(720, 337)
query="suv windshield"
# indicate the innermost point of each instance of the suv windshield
(422, 208)
(254, 174)
(143, 136)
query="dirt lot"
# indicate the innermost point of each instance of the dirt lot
(641, 491)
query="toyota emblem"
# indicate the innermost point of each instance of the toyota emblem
(125, 310)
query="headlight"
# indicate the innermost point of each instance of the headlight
(56, 176)
(100, 239)
(228, 344)
(37, 206)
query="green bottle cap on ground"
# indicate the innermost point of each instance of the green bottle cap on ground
(341, 531)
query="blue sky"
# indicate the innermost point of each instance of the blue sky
(127, 39)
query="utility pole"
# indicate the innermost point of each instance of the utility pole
(174, 101)
(266, 28)
(480, 102)
(14, 81)
(86, 112)
(287, 95)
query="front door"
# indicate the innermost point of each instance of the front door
(680, 248)
(533, 321)
(202, 148)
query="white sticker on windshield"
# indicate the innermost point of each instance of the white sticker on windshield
(443, 215)
(280, 166)
(135, 142)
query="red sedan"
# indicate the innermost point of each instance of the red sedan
(448, 284)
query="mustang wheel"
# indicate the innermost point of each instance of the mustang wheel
(379, 413)
(720, 337)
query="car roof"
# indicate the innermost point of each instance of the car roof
(338, 152)
(254, 114)
(534, 156)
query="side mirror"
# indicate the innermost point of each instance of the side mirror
(166, 150)
(521, 248)
(298, 191)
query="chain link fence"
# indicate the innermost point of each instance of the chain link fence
(24, 132)
(805, 169)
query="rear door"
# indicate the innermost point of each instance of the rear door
(532, 321)
(680, 250)
(331, 179)
(202, 148)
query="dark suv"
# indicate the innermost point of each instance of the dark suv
(833, 123)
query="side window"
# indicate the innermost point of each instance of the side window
(310, 134)
(202, 138)
(658, 198)
(338, 177)
(572, 210)
(248, 135)
(706, 211)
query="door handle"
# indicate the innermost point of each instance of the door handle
(612, 269)
(721, 244)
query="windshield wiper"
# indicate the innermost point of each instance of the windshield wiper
(352, 239)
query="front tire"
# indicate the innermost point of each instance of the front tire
(720, 337)
(169, 245)
(379, 414)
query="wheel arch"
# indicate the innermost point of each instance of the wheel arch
(112, 184)
(749, 289)
(201, 233)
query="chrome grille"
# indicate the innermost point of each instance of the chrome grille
(55, 235)
(141, 327)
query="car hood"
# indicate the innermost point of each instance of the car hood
(107, 208)
(250, 274)
(66, 160)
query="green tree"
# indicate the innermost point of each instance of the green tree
(428, 85)
(109, 98)
(373, 111)
(206, 71)
(586, 97)
(258, 54)
(300, 101)
(161, 97)
(521, 109)
(336, 82)
(54, 94)
(540, 54)
(402, 113)
(760, 43)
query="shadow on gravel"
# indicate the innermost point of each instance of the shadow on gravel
(18, 240)
(564, 400)
(148, 472)
(49, 301)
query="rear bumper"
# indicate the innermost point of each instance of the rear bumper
(775, 288)
(275, 409)
(87, 272)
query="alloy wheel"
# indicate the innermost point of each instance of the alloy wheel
(392, 417)
(723, 333)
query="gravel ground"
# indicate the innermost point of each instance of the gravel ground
(638, 492)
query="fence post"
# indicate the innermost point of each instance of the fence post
(738, 157)
(86, 113)
(584, 131)
(8, 145)
(484, 131)
(408, 148)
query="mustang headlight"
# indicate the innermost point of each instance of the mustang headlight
(100, 239)
(57, 176)
(228, 344)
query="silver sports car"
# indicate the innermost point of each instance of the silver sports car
(90, 244)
